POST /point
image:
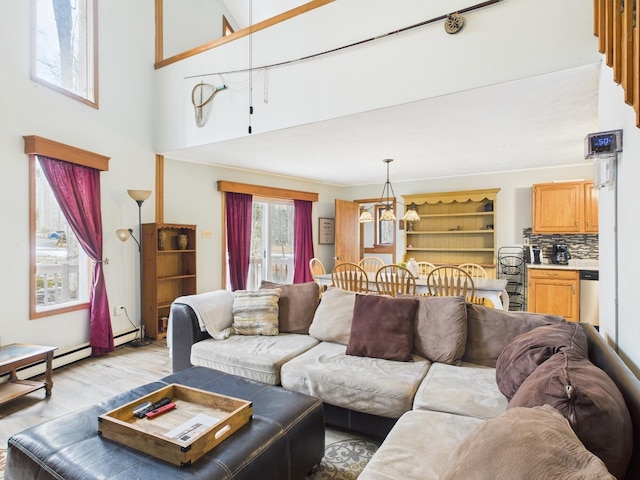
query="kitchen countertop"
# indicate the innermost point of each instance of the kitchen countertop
(577, 264)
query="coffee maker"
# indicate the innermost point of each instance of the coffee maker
(560, 254)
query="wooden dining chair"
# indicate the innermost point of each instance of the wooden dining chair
(477, 271)
(316, 267)
(371, 265)
(350, 276)
(450, 281)
(473, 269)
(394, 279)
(424, 268)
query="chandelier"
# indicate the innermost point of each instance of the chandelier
(388, 197)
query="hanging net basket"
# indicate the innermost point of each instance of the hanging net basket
(202, 98)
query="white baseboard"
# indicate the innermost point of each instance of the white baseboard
(69, 355)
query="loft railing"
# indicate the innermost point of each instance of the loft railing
(616, 23)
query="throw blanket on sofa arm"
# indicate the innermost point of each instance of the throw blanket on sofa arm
(213, 311)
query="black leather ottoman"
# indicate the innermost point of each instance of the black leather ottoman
(284, 440)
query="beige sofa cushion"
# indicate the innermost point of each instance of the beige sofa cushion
(524, 443)
(491, 329)
(332, 319)
(467, 389)
(418, 446)
(370, 385)
(257, 357)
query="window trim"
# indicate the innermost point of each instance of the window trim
(94, 44)
(256, 191)
(34, 145)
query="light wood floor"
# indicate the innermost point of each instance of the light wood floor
(85, 383)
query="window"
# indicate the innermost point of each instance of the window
(54, 249)
(61, 265)
(271, 242)
(64, 53)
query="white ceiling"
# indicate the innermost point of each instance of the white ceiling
(530, 123)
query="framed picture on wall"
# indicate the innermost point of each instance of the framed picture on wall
(326, 231)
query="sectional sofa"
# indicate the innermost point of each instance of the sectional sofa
(454, 390)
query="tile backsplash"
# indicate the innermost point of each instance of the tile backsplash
(581, 245)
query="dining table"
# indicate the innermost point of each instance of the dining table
(493, 289)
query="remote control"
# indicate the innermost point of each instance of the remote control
(141, 411)
(159, 411)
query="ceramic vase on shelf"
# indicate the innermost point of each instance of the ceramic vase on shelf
(162, 240)
(183, 242)
(412, 266)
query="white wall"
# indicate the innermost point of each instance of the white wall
(121, 129)
(618, 282)
(192, 197)
(500, 43)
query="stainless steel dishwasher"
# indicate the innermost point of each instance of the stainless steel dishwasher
(589, 297)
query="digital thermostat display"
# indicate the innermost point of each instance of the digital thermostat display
(603, 143)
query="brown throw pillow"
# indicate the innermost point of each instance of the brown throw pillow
(297, 305)
(589, 399)
(489, 330)
(526, 352)
(524, 443)
(382, 327)
(440, 328)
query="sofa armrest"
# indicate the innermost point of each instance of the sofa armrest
(185, 331)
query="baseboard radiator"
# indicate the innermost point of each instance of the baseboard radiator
(68, 356)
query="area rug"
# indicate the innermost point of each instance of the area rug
(345, 459)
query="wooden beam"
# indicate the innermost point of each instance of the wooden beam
(617, 51)
(636, 65)
(159, 30)
(608, 32)
(238, 34)
(627, 53)
(159, 188)
(34, 145)
(262, 191)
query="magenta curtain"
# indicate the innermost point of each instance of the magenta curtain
(238, 220)
(77, 189)
(302, 241)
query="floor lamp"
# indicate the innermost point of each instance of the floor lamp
(123, 234)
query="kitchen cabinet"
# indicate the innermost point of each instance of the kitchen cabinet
(555, 292)
(168, 271)
(565, 207)
(454, 228)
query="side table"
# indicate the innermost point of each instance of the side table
(19, 355)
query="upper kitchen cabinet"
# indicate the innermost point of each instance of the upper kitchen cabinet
(565, 207)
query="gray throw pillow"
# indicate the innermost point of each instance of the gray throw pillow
(440, 328)
(297, 305)
(332, 320)
(489, 330)
(524, 443)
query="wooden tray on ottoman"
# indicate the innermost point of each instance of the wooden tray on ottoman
(225, 415)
